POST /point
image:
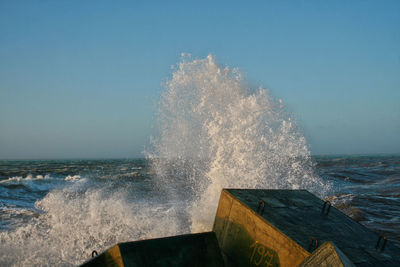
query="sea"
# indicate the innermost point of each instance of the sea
(214, 131)
(56, 212)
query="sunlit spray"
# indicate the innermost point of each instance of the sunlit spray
(217, 132)
(214, 132)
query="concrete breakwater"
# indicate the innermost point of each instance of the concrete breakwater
(257, 227)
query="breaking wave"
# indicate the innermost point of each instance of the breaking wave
(214, 132)
(217, 132)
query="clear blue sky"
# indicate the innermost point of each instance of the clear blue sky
(82, 78)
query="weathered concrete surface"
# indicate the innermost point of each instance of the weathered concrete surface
(185, 250)
(327, 255)
(290, 220)
(248, 239)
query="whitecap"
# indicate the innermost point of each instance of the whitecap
(72, 177)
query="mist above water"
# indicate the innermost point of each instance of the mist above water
(216, 132)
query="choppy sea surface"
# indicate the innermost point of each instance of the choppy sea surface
(81, 205)
(214, 131)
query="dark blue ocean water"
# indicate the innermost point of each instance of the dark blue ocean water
(69, 205)
(367, 188)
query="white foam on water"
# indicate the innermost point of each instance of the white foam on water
(29, 177)
(75, 221)
(33, 183)
(72, 177)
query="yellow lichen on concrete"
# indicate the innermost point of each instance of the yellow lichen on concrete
(113, 257)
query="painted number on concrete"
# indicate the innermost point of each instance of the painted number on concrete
(261, 255)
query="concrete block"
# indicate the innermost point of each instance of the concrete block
(283, 227)
(184, 250)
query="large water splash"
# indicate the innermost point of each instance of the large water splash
(216, 132)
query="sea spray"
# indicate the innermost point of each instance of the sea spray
(81, 218)
(217, 132)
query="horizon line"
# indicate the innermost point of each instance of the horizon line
(141, 158)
